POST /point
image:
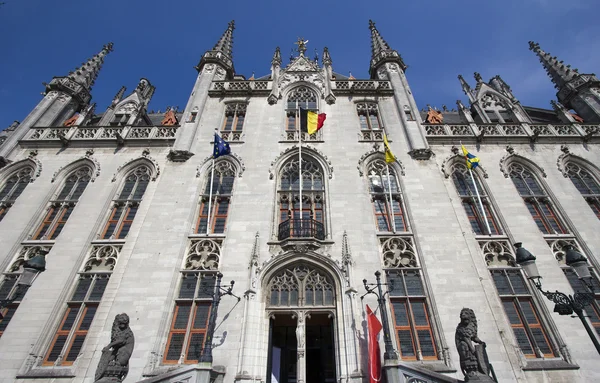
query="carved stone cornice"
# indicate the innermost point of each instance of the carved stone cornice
(179, 155)
(421, 154)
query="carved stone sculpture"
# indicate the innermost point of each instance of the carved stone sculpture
(114, 362)
(473, 358)
(434, 116)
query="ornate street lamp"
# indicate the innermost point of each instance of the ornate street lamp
(31, 268)
(218, 292)
(389, 353)
(564, 304)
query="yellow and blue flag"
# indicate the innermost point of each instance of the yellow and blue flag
(389, 157)
(221, 147)
(472, 160)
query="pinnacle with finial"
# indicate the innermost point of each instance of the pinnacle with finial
(87, 73)
(326, 60)
(381, 51)
(276, 61)
(225, 43)
(559, 73)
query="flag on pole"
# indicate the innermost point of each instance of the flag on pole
(221, 147)
(311, 121)
(389, 157)
(472, 160)
(374, 327)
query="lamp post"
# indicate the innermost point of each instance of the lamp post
(564, 304)
(218, 292)
(31, 268)
(389, 353)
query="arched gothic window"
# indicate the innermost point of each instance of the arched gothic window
(537, 200)
(301, 286)
(62, 206)
(306, 219)
(386, 197)
(126, 203)
(301, 97)
(368, 114)
(13, 187)
(587, 185)
(222, 190)
(466, 191)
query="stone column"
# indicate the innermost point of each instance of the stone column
(301, 348)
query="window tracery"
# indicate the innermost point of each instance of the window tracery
(62, 206)
(126, 203)
(222, 191)
(386, 197)
(586, 184)
(300, 286)
(304, 218)
(300, 97)
(467, 193)
(536, 199)
(13, 187)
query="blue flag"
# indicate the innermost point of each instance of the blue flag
(221, 147)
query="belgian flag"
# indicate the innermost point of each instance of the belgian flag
(310, 121)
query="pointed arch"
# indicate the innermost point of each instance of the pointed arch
(525, 175)
(235, 160)
(32, 162)
(512, 157)
(301, 95)
(217, 189)
(64, 171)
(302, 87)
(449, 162)
(135, 162)
(585, 176)
(375, 153)
(306, 218)
(306, 150)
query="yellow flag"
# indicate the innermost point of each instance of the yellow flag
(389, 157)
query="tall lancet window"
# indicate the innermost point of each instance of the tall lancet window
(587, 185)
(537, 200)
(467, 193)
(306, 219)
(301, 97)
(62, 205)
(219, 200)
(386, 197)
(126, 203)
(12, 188)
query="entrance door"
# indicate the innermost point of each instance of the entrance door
(320, 354)
(282, 350)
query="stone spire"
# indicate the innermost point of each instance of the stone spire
(558, 72)
(87, 73)
(222, 52)
(381, 51)
(276, 61)
(119, 96)
(78, 84)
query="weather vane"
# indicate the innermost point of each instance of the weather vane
(301, 45)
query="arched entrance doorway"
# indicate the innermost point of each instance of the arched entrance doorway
(301, 303)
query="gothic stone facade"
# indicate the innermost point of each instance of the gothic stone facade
(122, 201)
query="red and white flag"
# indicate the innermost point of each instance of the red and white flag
(374, 327)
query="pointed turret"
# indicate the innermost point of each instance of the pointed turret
(222, 53)
(326, 60)
(558, 72)
(87, 73)
(78, 84)
(381, 52)
(575, 90)
(119, 96)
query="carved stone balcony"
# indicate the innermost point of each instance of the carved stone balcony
(511, 133)
(100, 136)
(362, 86)
(292, 136)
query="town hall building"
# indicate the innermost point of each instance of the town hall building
(256, 266)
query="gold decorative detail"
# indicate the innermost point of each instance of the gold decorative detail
(434, 116)
(170, 119)
(71, 121)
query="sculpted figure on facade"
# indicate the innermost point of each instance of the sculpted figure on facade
(473, 358)
(114, 362)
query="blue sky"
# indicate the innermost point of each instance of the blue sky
(163, 40)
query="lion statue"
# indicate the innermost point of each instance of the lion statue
(114, 362)
(473, 359)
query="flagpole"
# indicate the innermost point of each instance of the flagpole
(212, 176)
(299, 162)
(487, 225)
(387, 167)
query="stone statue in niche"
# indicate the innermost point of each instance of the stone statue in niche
(114, 362)
(300, 332)
(474, 361)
